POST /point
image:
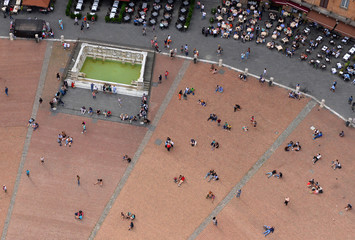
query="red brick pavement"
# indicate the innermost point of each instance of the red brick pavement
(46, 202)
(21, 65)
(157, 94)
(307, 216)
(165, 211)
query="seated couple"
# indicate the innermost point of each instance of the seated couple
(295, 95)
(317, 134)
(169, 144)
(219, 89)
(79, 215)
(274, 173)
(190, 90)
(202, 102)
(243, 76)
(212, 117)
(128, 216)
(211, 196)
(179, 180)
(227, 127)
(212, 175)
(34, 125)
(213, 69)
(107, 113)
(294, 146)
(214, 144)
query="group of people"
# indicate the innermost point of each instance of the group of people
(314, 186)
(129, 216)
(212, 175)
(274, 173)
(90, 111)
(33, 124)
(144, 108)
(293, 146)
(169, 144)
(63, 137)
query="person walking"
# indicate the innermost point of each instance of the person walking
(166, 74)
(84, 127)
(93, 95)
(82, 26)
(87, 25)
(350, 99)
(287, 199)
(247, 53)
(160, 78)
(214, 220)
(76, 22)
(28, 173)
(238, 193)
(265, 72)
(42, 160)
(4, 188)
(353, 106)
(6, 91)
(58, 76)
(40, 100)
(78, 179)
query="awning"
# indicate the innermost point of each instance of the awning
(297, 6)
(291, 4)
(36, 3)
(345, 30)
(281, 2)
(323, 20)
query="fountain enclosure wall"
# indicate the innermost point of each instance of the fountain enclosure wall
(96, 52)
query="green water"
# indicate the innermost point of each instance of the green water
(111, 71)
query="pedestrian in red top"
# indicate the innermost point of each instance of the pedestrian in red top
(166, 75)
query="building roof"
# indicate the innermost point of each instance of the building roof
(36, 3)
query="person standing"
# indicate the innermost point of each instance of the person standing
(92, 87)
(78, 179)
(238, 193)
(214, 220)
(166, 74)
(40, 100)
(42, 160)
(160, 78)
(58, 76)
(93, 95)
(76, 21)
(87, 25)
(6, 91)
(82, 26)
(287, 199)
